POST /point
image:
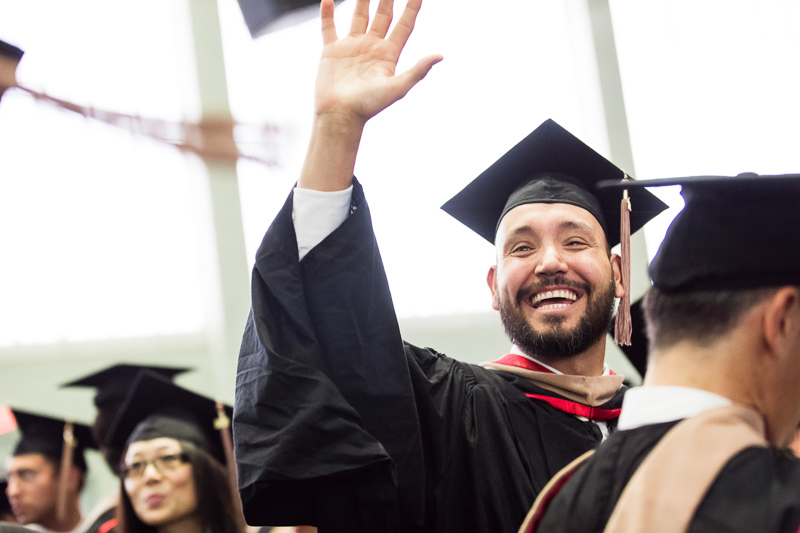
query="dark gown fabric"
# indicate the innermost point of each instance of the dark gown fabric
(105, 523)
(757, 491)
(340, 424)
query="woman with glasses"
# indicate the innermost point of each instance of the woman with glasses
(172, 472)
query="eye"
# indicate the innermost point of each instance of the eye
(521, 249)
(134, 469)
(576, 242)
(27, 475)
(170, 460)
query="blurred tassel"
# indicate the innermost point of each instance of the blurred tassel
(66, 467)
(223, 425)
(623, 327)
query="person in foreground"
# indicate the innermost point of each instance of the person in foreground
(172, 474)
(111, 384)
(702, 446)
(341, 425)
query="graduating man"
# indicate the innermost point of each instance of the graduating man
(47, 471)
(339, 424)
(701, 447)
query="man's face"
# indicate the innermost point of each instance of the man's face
(554, 283)
(32, 488)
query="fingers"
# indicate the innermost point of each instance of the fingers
(328, 27)
(360, 18)
(383, 19)
(405, 25)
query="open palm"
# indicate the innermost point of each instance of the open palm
(356, 76)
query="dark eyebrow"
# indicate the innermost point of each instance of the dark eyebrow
(520, 230)
(577, 226)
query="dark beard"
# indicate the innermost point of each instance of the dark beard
(556, 342)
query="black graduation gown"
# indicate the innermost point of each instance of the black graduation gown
(758, 490)
(105, 523)
(340, 424)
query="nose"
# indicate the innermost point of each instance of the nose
(151, 474)
(12, 489)
(551, 262)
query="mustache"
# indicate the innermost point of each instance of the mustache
(557, 281)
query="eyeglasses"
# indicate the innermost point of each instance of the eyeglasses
(163, 463)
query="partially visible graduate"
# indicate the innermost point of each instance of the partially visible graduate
(702, 446)
(111, 385)
(47, 472)
(173, 473)
(5, 506)
(10, 57)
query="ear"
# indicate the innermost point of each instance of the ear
(782, 321)
(616, 270)
(491, 280)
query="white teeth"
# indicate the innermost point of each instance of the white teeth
(566, 294)
(553, 306)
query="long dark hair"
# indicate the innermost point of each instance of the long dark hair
(215, 503)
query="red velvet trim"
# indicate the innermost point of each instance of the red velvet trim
(519, 361)
(105, 528)
(548, 497)
(578, 409)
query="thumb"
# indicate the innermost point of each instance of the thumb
(412, 76)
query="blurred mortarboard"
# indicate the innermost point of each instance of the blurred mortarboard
(550, 165)
(45, 435)
(113, 383)
(155, 407)
(733, 233)
(265, 16)
(10, 56)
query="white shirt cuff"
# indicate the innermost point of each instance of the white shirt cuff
(316, 214)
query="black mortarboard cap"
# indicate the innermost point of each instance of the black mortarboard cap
(155, 407)
(264, 16)
(733, 233)
(45, 435)
(113, 383)
(550, 165)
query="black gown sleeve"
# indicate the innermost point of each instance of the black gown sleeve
(325, 428)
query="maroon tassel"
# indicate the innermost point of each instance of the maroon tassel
(66, 466)
(622, 327)
(223, 425)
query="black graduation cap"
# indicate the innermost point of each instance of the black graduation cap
(10, 57)
(264, 16)
(155, 407)
(733, 233)
(45, 435)
(112, 383)
(550, 165)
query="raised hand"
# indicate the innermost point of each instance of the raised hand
(356, 75)
(356, 80)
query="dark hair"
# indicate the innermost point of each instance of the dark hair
(101, 429)
(215, 503)
(701, 317)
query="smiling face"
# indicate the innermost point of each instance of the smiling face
(554, 283)
(165, 496)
